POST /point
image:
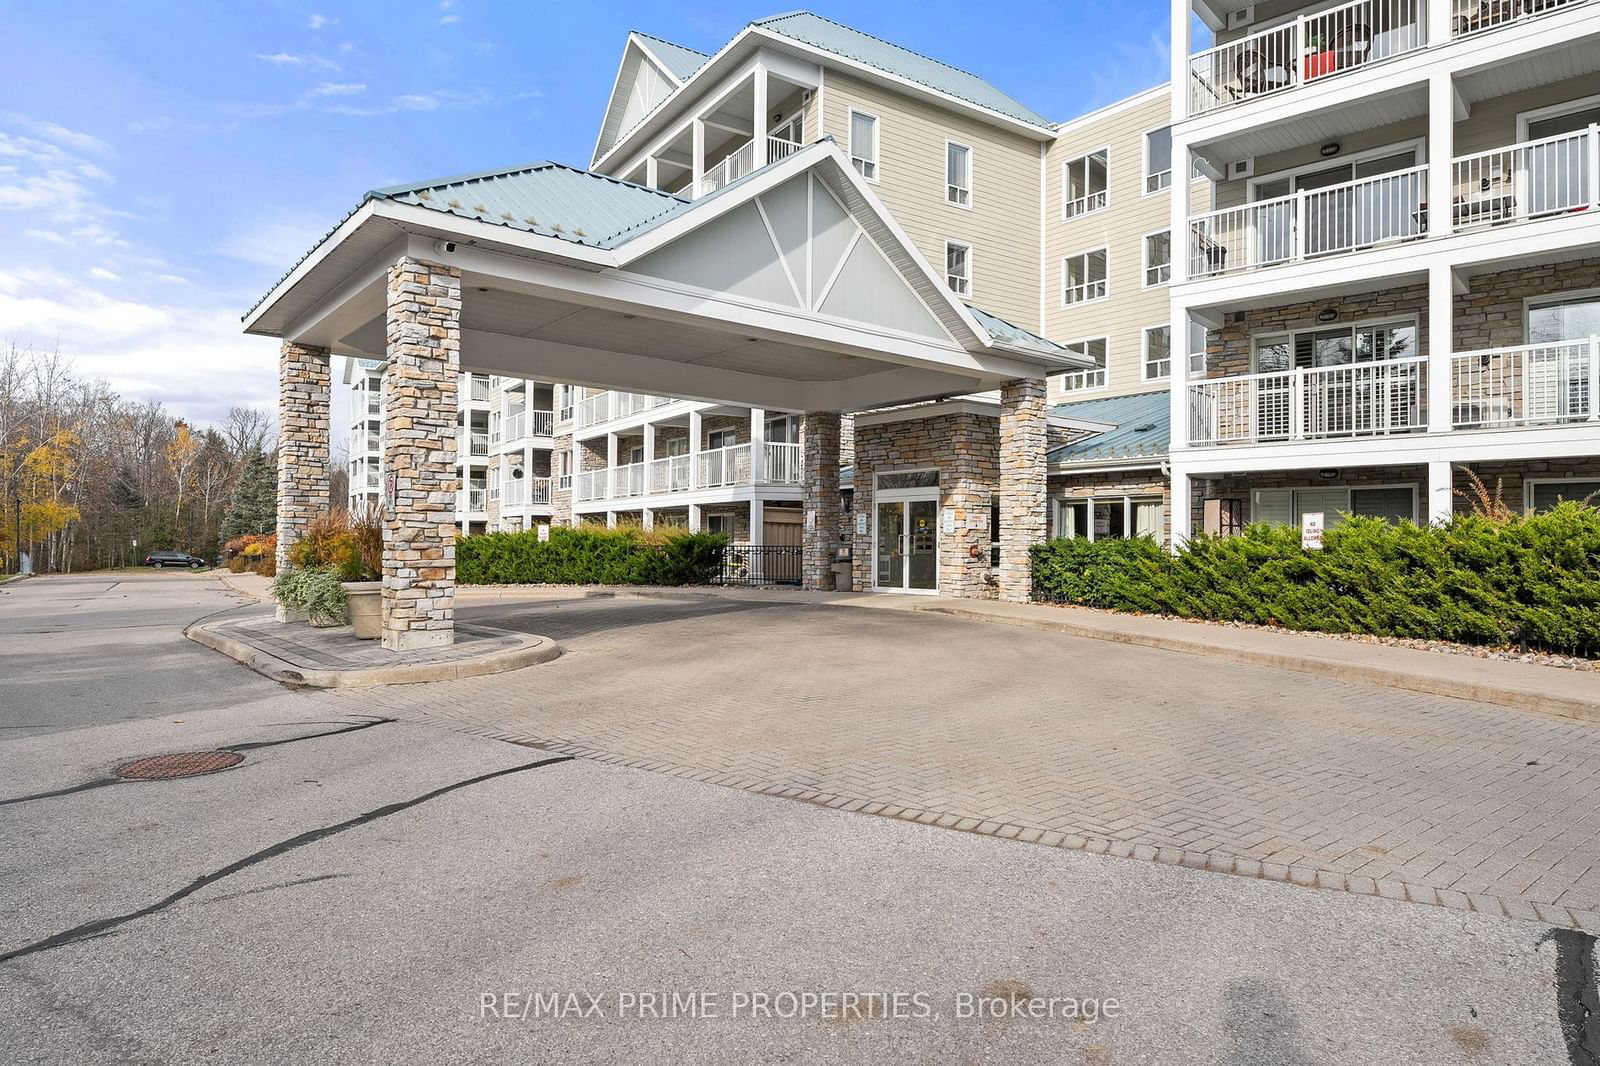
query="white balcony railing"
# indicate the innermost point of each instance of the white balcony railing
(541, 423)
(590, 485)
(1527, 181)
(1311, 223)
(512, 492)
(480, 389)
(1352, 400)
(784, 464)
(475, 499)
(1531, 384)
(605, 406)
(737, 164)
(722, 467)
(780, 148)
(1475, 16)
(671, 474)
(478, 443)
(627, 480)
(592, 410)
(1314, 46)
(539, 491)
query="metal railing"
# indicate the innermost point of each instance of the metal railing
(1310, 223)
(512, 492)
(539, 491)
(780, 148)
(722, 467)
(605, 406)
(594, 409)
(480, 388)
(760, 564)
(1526, 181)
(590, 485)
(541, 423)
(1351, 400)
(478, 443)
(738, 163)
(785, 464)
(475, 499)
(1312, 47)
(671, 474)
(1475, 16)
(1497, 388)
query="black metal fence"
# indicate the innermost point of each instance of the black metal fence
(761, 564)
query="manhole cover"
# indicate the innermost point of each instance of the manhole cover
(179, 764)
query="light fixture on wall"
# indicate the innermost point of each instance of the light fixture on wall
(1327, 314)
(1330, 149)
(1328, 474)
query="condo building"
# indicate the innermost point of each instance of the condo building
(817, 289)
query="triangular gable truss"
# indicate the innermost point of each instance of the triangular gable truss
(642, 83)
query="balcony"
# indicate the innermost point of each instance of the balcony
(740, 162)
(473, 499)
(1532, 180)
(1310, 224)
(1477, 16)
(606, 406)
(1495, 388)
(520, 425)
(479, 391)
(1312, 48)
(518, 492)
(715, 469)
(478, 443)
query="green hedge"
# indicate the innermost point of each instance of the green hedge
(589, 557)
(1530, 581)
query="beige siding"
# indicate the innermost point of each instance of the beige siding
(1002, 225)
(1120, 228)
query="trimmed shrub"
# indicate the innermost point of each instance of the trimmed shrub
(577, 556)
(314, 590)
(1530, 581)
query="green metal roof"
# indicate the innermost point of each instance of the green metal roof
(680, 61)
(547, 198)
(1141, 427)
(843, 41)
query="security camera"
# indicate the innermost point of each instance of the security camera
(444, 247)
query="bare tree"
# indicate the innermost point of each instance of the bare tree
(247, 430)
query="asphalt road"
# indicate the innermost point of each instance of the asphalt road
(364, 890)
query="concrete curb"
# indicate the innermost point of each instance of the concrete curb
(534, 650)
(1565, 706)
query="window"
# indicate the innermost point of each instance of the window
(1392, 503)
(1157, 160)
(720, 523)
(864, 144)
(958, 267)
(782, 430)
(1543, 495)
(1573, 317)
(1077, 380)
(1083, 277)
(1339, 346)
(1112, 517)
(1083, 184)
(957, 174)
(721, 438)
(1199, 341)
(1157, 352)
(1158, 258)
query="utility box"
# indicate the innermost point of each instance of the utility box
(844, 568)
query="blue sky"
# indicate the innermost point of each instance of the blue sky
(161, 164)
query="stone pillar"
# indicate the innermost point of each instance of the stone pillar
(1022, 483)
(302, 443)
(819, 445)
(420, 398)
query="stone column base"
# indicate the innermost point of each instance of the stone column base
(417, 639)
(289, 614)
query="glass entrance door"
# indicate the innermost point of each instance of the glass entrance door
(907, 545)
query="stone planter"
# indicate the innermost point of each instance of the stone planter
(365, 600)
(291, 614)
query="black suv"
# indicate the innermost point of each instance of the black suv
(164, 559)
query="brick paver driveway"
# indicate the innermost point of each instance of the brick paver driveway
(1076, 742)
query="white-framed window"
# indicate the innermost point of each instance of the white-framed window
(958, 174)
(864, 143)
(782, 429)
(1157, 160)
(1092, 378)
(719, 523)
(1115, 517)
(1361, 342)
(1157, 258)
(1392, 503)
(1083, 277)
(721, 438)
(1157, 360)
(958, 267)
(1084, 183)
(1541, 494)
(1199, 340)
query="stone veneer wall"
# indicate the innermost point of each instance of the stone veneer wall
(1490, 314)
(303, 390)
(964, 448)
(1511, 477)
(1022, 483)
(819, 440)
(1144, 483)
(560, 498)
(419, 396)
(1228, 350)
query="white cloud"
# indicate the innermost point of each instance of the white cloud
(274, 241)
(449, 20)
(317, 22)
(330, 88)
(49, 235)
(173, 279)
(289, 59)
(417, 102)
(103, 274)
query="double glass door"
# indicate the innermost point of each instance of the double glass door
(907, 545)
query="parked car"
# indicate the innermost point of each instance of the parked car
(159, 560)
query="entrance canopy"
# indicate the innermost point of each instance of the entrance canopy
(791, 288)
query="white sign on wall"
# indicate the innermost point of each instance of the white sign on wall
(861, 524)
(949, 519)
(1311, 531)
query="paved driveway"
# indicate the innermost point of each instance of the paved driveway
(1090, 744)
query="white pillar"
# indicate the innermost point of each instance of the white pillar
(1441, 149)
(1182, 19)
(758, 517)
(695, 424)
(1440, 16)
(1182, 508)
(1178, 211)
(611, 472)
(611, 520)
(694, 518)
(697, 157)
(758, 445)
(649, 457)
(1441, 492)
(1441, 301)
(652, 172)
(648, 517)
(1178, 380)
(759, 126)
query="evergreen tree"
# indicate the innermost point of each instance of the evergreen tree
(253, 508)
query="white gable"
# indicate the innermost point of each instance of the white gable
(795, 246)
(650, 87)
